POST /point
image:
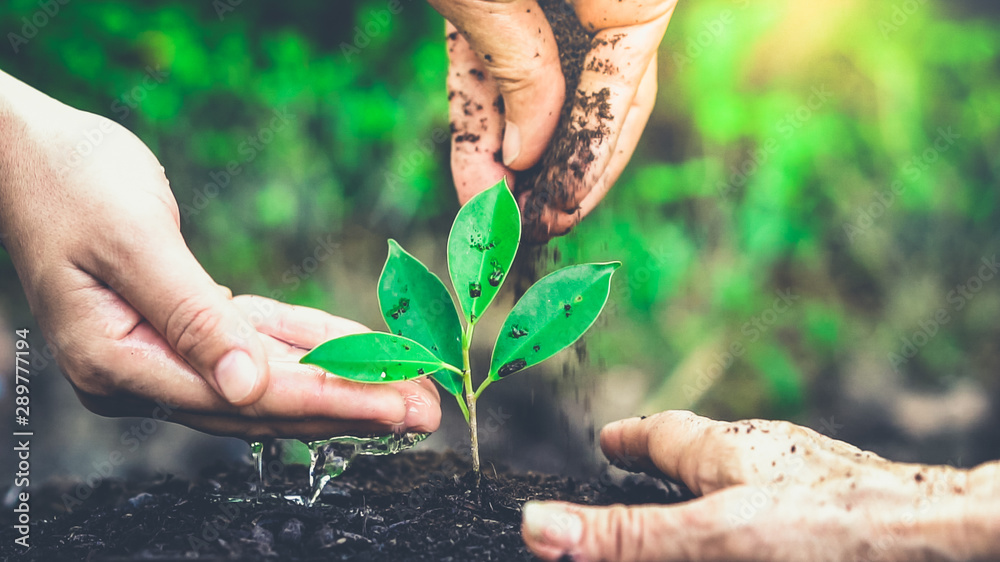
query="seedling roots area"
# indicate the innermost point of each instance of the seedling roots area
(411, 506)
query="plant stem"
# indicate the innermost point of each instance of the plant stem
(470, 398)
(465, 409)
(482, 387)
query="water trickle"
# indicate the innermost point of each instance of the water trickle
(257, 452)
(329, 458)
(475, 289)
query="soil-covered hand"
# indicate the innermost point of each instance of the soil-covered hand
(138, 327)
(773, 491)
(506, 90)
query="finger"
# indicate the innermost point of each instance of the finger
(674, 442)
(701, 529)
(150, 266)
(137, 362)
(520, 53)
(635, 122)
(476, 110)
(299, 326)
(305, 429)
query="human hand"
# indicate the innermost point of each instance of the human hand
(773, 491)
(139, 328)
(506, 91)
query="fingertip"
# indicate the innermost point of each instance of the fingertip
(551, 529)
(512, 146)
(241, 379)
(422, 407)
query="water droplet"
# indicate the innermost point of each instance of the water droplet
(406, 347)
(382, 376)
(516, 331)
(579, 298)
(536, 348)
(569, 309)
(497, 276)
(475, 289)
(401, 307)
(512, 367)
(420, 371)
(478, 241)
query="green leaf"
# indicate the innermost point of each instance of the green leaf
(550, 316)
(374, 357)
(416, 304)
(481, 247)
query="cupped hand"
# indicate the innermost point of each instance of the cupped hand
(773, 491)
(138, 327)
(506, 91)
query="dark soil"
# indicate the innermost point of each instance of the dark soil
(412, 506)
(555, 182)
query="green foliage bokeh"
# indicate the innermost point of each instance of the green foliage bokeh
(787, 216)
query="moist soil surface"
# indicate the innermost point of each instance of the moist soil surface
(411, 506)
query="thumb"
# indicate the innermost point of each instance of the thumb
(516, 43)
(162, 280)
(553, 530)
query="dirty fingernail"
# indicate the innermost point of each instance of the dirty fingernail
(511, 143)
(236, 374)
(551, 525)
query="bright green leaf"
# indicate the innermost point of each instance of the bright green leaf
(416, 304)
(550, 316)
(374, 357)
(481, 247)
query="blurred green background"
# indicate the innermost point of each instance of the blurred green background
(817, 181)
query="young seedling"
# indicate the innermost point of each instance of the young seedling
(427, 337)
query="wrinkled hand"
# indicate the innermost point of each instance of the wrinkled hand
(773, 491)
(507, 49)
(138, 326)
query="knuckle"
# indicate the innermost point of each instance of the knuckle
(190, 324)
(627, 533)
